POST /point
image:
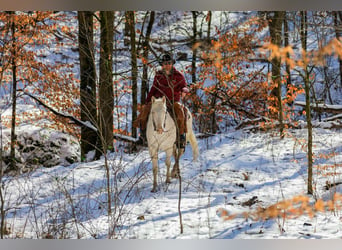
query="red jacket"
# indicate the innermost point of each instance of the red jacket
(170, 86)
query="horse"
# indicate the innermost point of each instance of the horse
(161, 132)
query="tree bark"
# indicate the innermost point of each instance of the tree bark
(209, 26)
(303, 35)
(130, 19)
(194, 51)
(144, 80)
(275, 26)
(13, 164)
(88, 81)
(106, 92)
(338, 31)
(287, 43)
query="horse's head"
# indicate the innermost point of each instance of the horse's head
(158, 112)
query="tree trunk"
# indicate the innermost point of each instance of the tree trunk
(287, 43)
(13, 164)
(303, 35)
(146, 49)
(213, 118)
(106, 92)
(209, 26)
(130, 19)
(2, 198)
(194, 51)
(275, 26)
(338, 31)
(88, 81)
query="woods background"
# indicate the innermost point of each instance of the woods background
(89, 72)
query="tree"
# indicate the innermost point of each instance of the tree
(23, 68)
(303, 64)
(98, 112)
(287, 43)
(303, 35)
(89, 136)
(275, 25)
(337, 15)
(130, 20)
(23, 37)
(233, 89)
(106, 95)
(14, 90)
(146, 50)
(194, 41)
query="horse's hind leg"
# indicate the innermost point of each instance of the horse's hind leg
(155, 173)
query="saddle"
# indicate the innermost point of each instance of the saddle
(177, 111)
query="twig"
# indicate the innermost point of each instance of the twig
(179, 204)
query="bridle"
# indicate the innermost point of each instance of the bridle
(164, 123)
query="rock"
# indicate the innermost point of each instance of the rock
(41, 147)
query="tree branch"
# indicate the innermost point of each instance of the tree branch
(334, 109)
(70, 117)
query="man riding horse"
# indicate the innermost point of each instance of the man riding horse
(170, 83)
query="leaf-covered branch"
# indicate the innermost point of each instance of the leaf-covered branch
(60, 114)
(292, 208)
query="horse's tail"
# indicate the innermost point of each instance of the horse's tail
(190, 136)
(194, 145)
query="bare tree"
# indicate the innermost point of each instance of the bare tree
(303, 36)
(88, 81)
(14, 92)
(130, 20)
(194, 51)
(106, 95)
(287, 43)
(275, 25)
(146, 50)
(338, 30)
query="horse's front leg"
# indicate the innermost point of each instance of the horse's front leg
(168, 165)
(155, 172)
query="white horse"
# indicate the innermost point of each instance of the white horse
(161, 136)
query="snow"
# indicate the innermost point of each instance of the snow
(234, 167)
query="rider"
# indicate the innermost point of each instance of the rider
(170, 83)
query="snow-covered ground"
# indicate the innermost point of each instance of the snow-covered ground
(233, 168)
